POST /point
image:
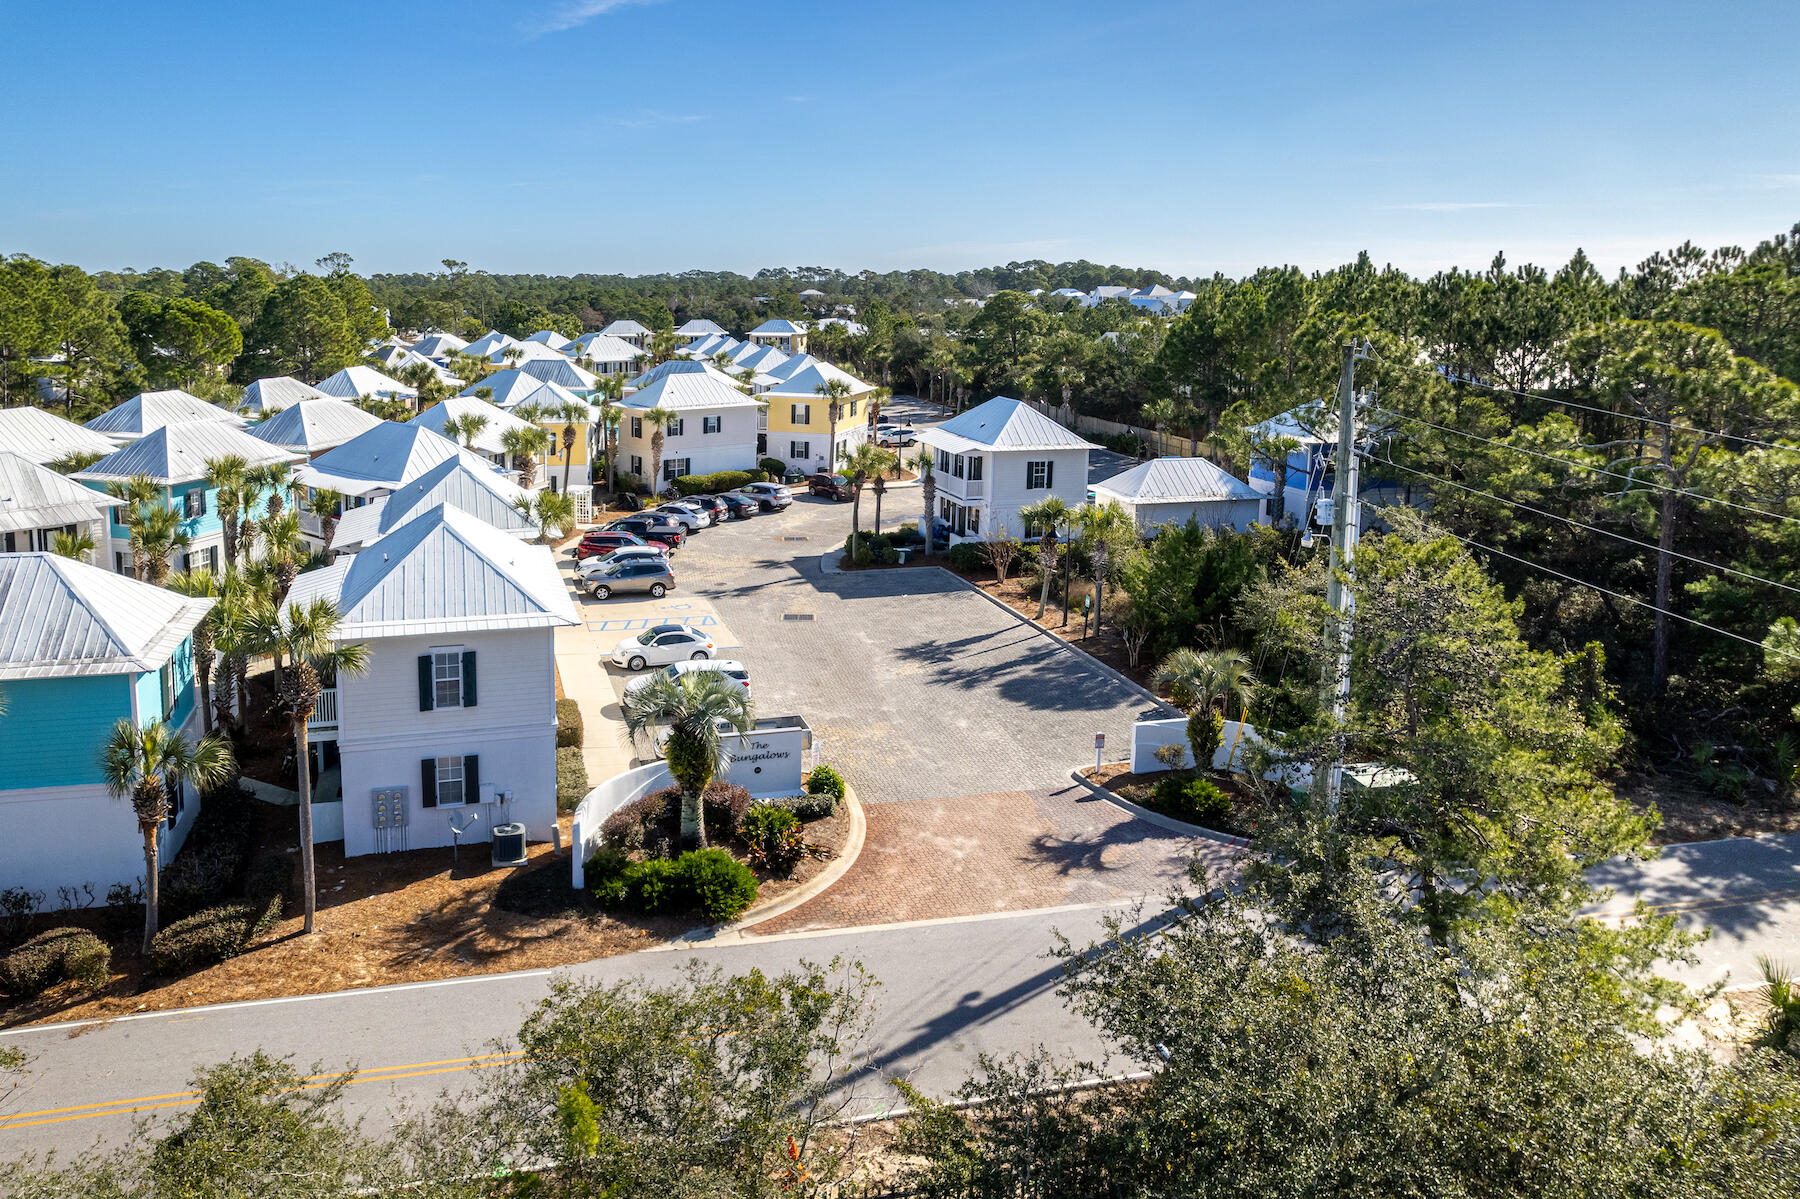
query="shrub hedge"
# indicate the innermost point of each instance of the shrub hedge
(709, 882)
(720, 887)
(1196, 800)
(808, 808)
(773, 467)
(568, 723)
(967, 557)
(52, 956)
(222, 932)
(719, 480)
(907, 534)
(571, 777)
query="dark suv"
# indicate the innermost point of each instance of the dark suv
(741, 507)
(649, 527)
(605, 541)
(832, 487)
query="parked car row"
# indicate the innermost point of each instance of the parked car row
(631, 554)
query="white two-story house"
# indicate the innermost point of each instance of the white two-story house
(714, 427)
(452, 725)
(36, 504)
(997, 458)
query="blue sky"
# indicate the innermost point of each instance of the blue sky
(559, 136)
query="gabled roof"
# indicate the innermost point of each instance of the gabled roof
(1175, 480)
(807, 380)
(790, 366)
(314, 425)
(563, 372)
(625, 328)
(42, 436)
(778, 327)
(551, 338)
(274, 394)
(440, 345)
(760, 359)
(698, 328)
(517, 389)
(151, 410)
(604, 347)
(480, 493)
(383, 458)
(61, 618)
(443, 571)
(1154, 291)
(522, 353)
(179, 454)
(712, 343)
(681, 366)
(488, 440)
(488, 342)
(36, 497)
(1314, 423)
(355, 381)
(1002, 424)
(686, 392)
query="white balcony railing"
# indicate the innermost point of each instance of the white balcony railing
(325, 711)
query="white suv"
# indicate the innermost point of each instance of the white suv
(768, 496)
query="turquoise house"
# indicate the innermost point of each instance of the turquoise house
(82, 648)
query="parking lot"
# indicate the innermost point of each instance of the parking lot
(928, 697)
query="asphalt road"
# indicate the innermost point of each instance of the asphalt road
(950, 991)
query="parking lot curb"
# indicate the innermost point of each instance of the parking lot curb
(1157, 818)
(859, 827)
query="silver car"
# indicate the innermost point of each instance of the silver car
(768, 496)
(587, 568)
(691, 517)
(641, 574)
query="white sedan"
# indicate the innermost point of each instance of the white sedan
(587, 568)
(737, 672)
(661, 644)
(691, 517)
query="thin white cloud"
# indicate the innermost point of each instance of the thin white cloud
(572, 13)
(1456, 206)
(650, 117)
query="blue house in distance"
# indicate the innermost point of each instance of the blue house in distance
(80, 649)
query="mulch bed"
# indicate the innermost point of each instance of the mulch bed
(1140, 789)
(1690, 814)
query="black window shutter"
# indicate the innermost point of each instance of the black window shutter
(428, 782)
(427, 691)
(468, 678)
(472, 778)
(1049, 472)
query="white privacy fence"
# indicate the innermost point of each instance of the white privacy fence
(1233, 754)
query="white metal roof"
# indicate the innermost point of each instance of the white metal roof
(312, 426)
(680, 366)
(698, 328)
(761, 359)
(686, 392)
(382, 459)
(625, 328)
(488, 440)
(790, 366)
(440, 345)
(1002, 424)
(710, 345)
(151, 410)
(44, 436)
(816, 374)
(61, 618)
(443, 571)
(778, 327)
(488, 342)
(36, 497)
(604, 347)
(179, 453)
(551, 338)
(521, 353)
(274, 394)
(354, 381)
(1175, 480)
(509, 386)
(561, 370)
(480, 493)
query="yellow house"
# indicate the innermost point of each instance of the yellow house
(798, 417)
(787, 336)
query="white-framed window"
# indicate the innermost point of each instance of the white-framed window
(1038, 475)
(674, 468)
(711, 424)
(193, 503)
(677, 426)
(166, 677)
(206, 559)
(447, 680)
(956, 466)
(637, 426)
(450, 780)
(800, 414)
(637, 465)
(974, 468)
(799, 449)
(974, 520)
(853, 404)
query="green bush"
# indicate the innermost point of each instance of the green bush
(657, 885)
(967, 557)
(568, 723)
(1205, 733)
(772, 833)
(605, 875)
(205, 938)
(571, 778)
(1192, 799)
(211, 863)
(825, 780)
(720, 886)
(52, 956)
(907, 534)
(808, 808)
(773, 467)
(720, 480)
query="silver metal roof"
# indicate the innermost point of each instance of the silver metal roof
(151, 410)
(1002, 424)
(355, 381)
(314, 425)
(60, 618)
(561, 370)
(274, 394)
(809, 378)
(1175, 480)
(488, 440)
(44, 436)
(179, 453)
(382, 459)
(36, 497)
(689, 392)
(482, 494)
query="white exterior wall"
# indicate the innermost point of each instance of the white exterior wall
(1214, 514)
(67, 836)
(733, 447)
(1003, 489)
(383, 736)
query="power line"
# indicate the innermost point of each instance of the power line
(1443, 372)
(1591, 528)
(1469, 541)
(1598, 470)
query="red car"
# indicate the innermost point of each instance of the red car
(605, 541)
(832, 487)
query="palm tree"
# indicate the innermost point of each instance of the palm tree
(69, 463)
(1781, 995)
(524, 446)
(662, 345)
(552, 510)
(147, 763)
(308, 636)
(571, 414)
(468, 426)
(660, 419)
(877, 398)
(927, 493)
(157, 536)
(250, 498)
(141, 494)
(1160, 413)
(1050, 514)
(1276, 451)
(325, 503)
(76, 545)
(1200, 681)
(834, 391)
(203, 585)
(285, 548)
(1101, 525)
(225, 475)
(878, 481)
(612, 390)
(859, 463)
(693, 706)
(277, 477)
(233, 638)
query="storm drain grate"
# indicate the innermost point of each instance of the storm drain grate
(795, 539)
(797, 616)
